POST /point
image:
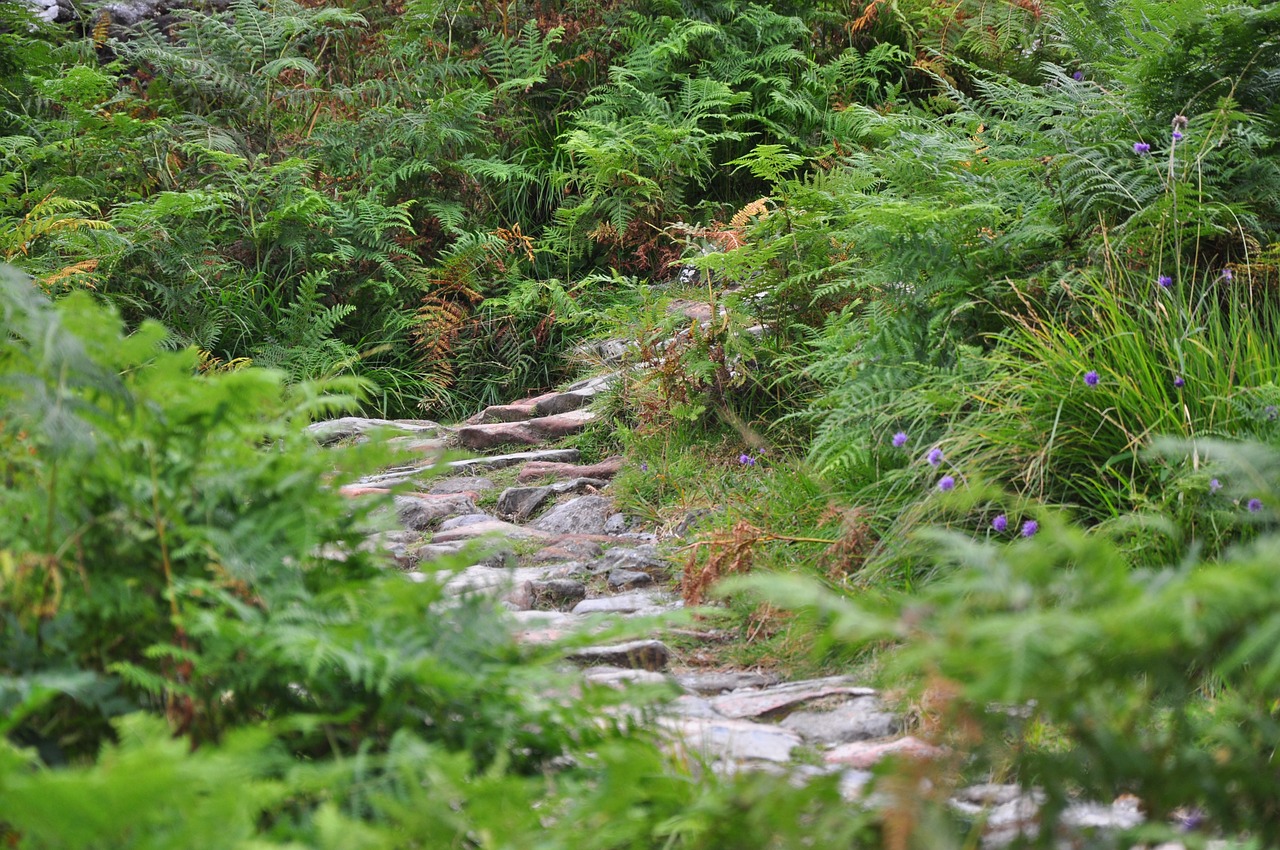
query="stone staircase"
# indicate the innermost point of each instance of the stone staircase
(555, 552)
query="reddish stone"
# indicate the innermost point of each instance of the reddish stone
(864, 754)
(606, 468)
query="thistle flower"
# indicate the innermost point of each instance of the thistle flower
(1165, 281)
(1141, 148)
(1214, 485)
(1029, 528)
(899, 439)
(934, 457)
(1091, 378)
(1179, 382)
(1254, 505)
(947, 483)
(1000, 524)
(1179, 122)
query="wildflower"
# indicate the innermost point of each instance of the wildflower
(1214, 485)
(1255, 505)
(899, 439)
(1000, 524)
(947, 483)
(934, 457)
(746, 460)
(1179, 382)
(1029, 528)
(1177, 136)
(1227, 275)
(1179, 122)
(1165, 281)
(1141, 148)
(1271, 411)
(644, 467)
(1078, 76)
(1091, 378)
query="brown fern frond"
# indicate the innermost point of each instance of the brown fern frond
(759, 208)
(729, 555)
(76, 273)
(516, 240)
(102, 29)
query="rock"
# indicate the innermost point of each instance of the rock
(530, 432)
(461, 484)
(988, 795)
(713, 682)
(334, 430)
(496, 528)
(583, 515)
(758, 703)
(574, 398)
(542, 468)
(520, 503)
(864, 754)
(617, 677)
(517, 412)
(610, 352)
(483, 577)
(402, 546)
(737, 740)
(616, 524)
(620, 578)
(623, 603)
(568, 549)
(556, 593)
(557, 456)
(422, 512)
(638, 558)
(859, 719)
(465, 520)
(692, 521)
(636, 654)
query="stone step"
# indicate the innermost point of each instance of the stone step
(576, 397)
(607, 468)
(334, 430)
(530, 432)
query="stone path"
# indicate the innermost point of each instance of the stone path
(566, 564)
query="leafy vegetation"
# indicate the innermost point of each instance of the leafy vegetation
(990, 374)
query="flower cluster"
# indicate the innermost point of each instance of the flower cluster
(1001, 524)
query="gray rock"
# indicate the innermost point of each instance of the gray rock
(616, 524)
(618, 677)
(568, 549)
(859, 719)
(758, 703)
(638, 558)
(422, 512)
(636, 654)
(735, 740)
(583, 515)
(557, 593)
(461, 484)
(623, 603)
(515, 459)
(520, 503)
(334, 430)
(465, 520)
(620, 578)
(495, 528)
(713, 682)
(693, 520)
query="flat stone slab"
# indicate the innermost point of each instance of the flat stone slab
(461, 484)
(423, 511)
(636, 654)
(334, 430)
(465, 520)
(736, 740)
(859, 719)
(583, 515)
(716, 682)
(623, 603)
(639, 558)
(554, 468)
(758, 703)
(481, 578)
(865, 754)
(620, 579)
(497, 528)
(520, 503)
(558, 456)
(556, 593)
(617, 677)
(529, 432)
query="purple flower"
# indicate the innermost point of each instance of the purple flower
(1091, 378)
(899, 439)
(947, 483)
(1254, 505)
(1141, 148)
(1177, 135)
(644, 467)
(1165, 281)
(1227, 275)
(934, 457)
(1000, 524)
(746, 460)
(1078, 76)
(1271, 411)
(1029, 528)
(1179, 382)
(1214, 485)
